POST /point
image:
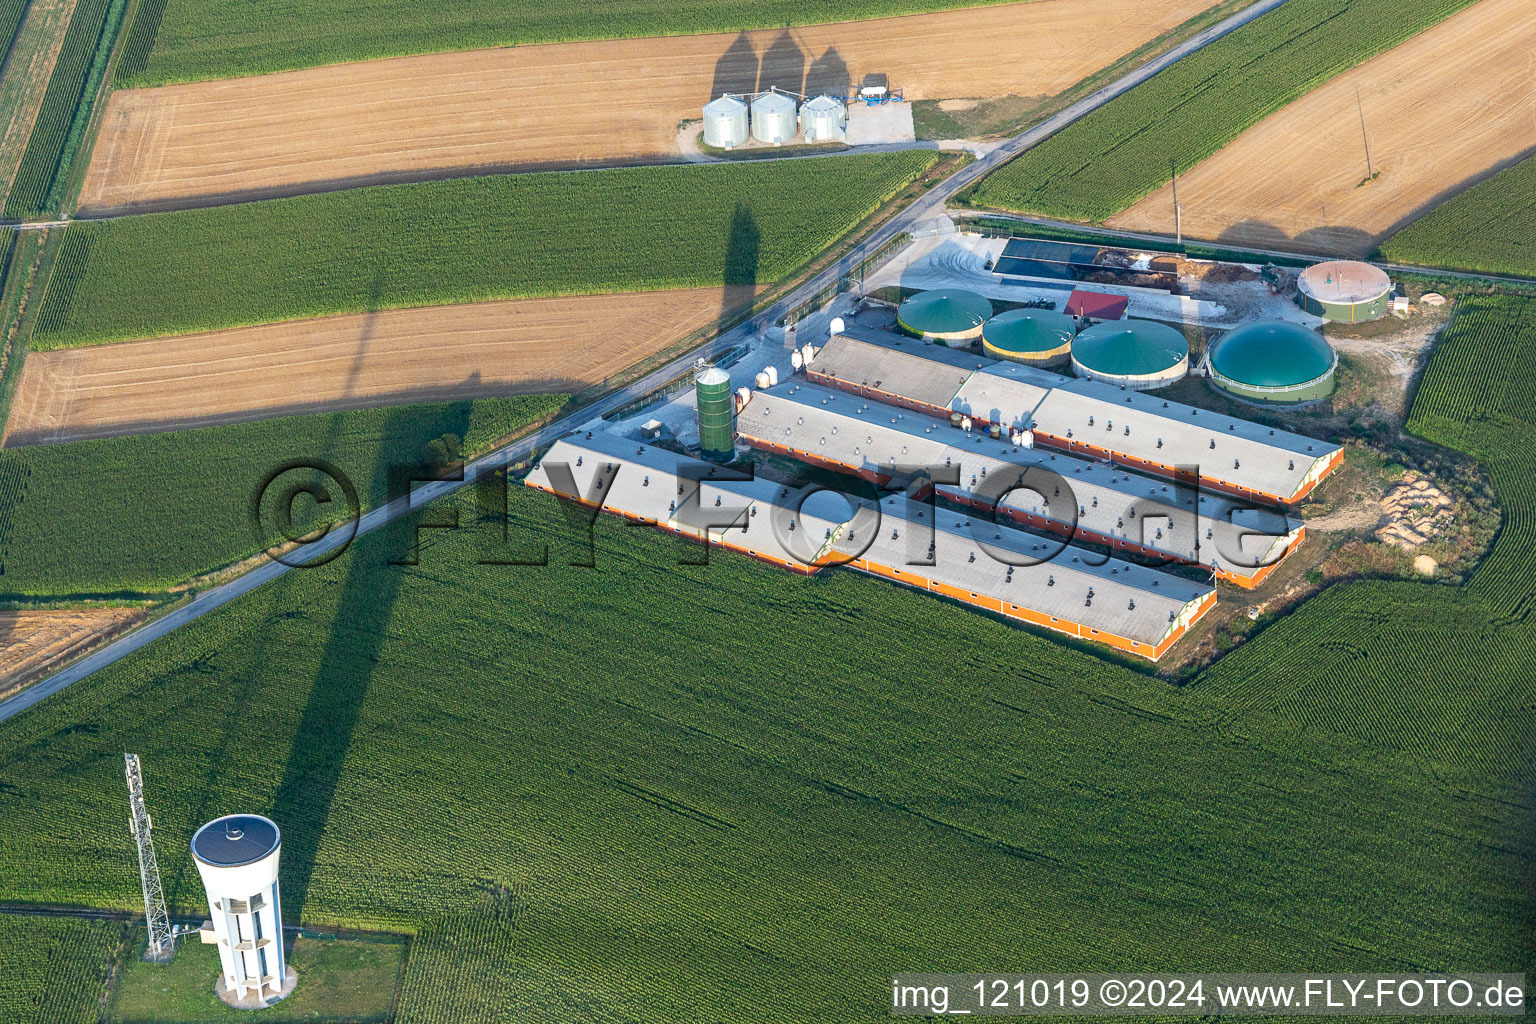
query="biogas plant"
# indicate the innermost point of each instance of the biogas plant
(1085, 504)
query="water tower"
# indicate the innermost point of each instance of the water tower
(237, 857)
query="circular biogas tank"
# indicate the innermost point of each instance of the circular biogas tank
(951, 314)
(1344, 290)
(1273, 362)
(1038, 337)
(1135, 354)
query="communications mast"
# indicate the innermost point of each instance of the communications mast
(162, 943)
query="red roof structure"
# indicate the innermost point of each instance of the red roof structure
(1097, 305)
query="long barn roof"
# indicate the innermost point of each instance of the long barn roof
(1130, 601)
(1246, 455)
(1162, 515)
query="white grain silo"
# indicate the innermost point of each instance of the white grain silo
(725, 122)
(773, 118)
(823, 119)
(237, 857)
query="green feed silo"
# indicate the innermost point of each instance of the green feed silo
(717, 414)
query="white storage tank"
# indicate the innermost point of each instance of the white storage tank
(725, 122)
(773, 118)
(823, 119)
(237, 858)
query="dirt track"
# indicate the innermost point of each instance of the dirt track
(1442, 111)
(33, 641)
(570, 104)
(346, 362)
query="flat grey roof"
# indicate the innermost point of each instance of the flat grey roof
(869, 357)
(235, 839)
(1130, 601)
(1197, 528)
(1247, 455)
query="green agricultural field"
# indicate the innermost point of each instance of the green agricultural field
(502, 237)
(143, 513)
(10, 20)
(190, 40)
(38, 189)
(1123, 151)
(645, 791)
(1490, 227)
(54, 970)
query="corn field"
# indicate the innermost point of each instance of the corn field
(1489, 227)
(1126, 149)
(54, 970)
(651, 791)
(147, 512)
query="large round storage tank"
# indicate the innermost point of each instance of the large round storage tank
(725, 122)
(773, 118)
(1273, 362)
(1038, 337)
(952, 314)
(1136, 354)
(1344, 290)
(717, 420)
(823, 119)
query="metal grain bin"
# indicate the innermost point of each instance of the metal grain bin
(773, 118)
(725, 122)
(717, 420)
(823, 119)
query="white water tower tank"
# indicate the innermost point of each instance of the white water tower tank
(762, 379)
(796, 359)
(773, 118)
(773, 375)
(725, 122)
(838, 326)
(237, 858)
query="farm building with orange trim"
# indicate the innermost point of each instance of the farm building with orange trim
(1132, 608)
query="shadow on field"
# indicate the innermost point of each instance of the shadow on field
(783, 65)
(302, 804)
(829, 75)
(741, 264)
(1333, 240)
(736, 70)
(245, 688)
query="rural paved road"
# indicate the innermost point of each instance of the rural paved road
(926, 208)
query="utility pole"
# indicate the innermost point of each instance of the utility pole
(1178, 220)
(162, 943)
(1365, 137)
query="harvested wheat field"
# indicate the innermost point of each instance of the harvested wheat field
(569, 104)
(1442, 111)
(34, 642)
(435, 353)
